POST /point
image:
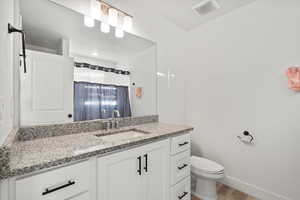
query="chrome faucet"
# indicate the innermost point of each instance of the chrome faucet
(113, 122)
(115, 114)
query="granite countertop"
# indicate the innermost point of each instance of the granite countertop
(32, 155)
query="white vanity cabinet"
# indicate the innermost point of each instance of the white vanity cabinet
(137, 174)
(159, 171)
(180, 167)
(153, 171)
(67, 183)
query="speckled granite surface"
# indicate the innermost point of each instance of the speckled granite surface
(32, 155)
(35, 132)
(5, 152)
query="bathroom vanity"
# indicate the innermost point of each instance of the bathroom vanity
(144, 161)
(88, 127)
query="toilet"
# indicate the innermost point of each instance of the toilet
(205, 174)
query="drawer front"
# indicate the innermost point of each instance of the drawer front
(180, 167)
(182, 190)
(180, 144)
(82, 196)
(62, 183)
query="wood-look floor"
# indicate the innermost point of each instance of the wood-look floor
(227, 193)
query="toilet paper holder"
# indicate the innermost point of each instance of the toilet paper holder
(247, 138)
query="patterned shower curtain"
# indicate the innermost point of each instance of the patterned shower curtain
(97, 101)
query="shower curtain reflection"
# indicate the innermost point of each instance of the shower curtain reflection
(97, 101)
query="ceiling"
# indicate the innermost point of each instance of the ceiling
(181, 12)
(46, 23)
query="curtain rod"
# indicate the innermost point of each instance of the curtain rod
(105, 84)
(101, 68)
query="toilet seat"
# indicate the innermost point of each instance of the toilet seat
(204, 165)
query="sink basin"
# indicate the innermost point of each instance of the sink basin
(125, 135)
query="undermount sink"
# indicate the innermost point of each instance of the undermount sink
(124, 135)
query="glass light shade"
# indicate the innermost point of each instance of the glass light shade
(95, 9)
(94, 13)
(105, 28)
(119, 33)
(89, 21)
(127, 23)
(112, 16)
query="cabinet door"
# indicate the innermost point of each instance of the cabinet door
(156, 171)
(46, 89)
(118, 176)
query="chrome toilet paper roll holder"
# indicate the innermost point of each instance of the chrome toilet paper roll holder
(246, 138)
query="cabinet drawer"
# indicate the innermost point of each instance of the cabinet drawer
(180, 167)
(81, 196)
(181, 191)
(63, 183)
(180, 144)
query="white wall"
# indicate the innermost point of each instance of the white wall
(143, 74)
(93, 61)
(96, 76)
(234, 69)
(236, 81)
(41, 49)
(171, 57)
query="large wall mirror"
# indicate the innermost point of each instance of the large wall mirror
(78, 73)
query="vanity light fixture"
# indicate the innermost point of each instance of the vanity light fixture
(121, 20)
(89, 21)
(127, 25)
(112, 16)
(105, 28)
(119, 32)
(109, 16)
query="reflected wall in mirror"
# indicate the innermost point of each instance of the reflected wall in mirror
(77, 73)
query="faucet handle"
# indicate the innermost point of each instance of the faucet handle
(117, 124)
(111, 124)
(116, 113)
(108, 124)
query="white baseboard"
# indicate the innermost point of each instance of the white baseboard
(252, 189)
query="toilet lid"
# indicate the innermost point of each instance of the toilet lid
(206, 165)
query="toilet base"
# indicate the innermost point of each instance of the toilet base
(205, 189)
(202, 198)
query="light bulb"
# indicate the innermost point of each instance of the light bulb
(127, 25)
(112, 16)
(105, 28)
(89, 21)
(119, 33)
